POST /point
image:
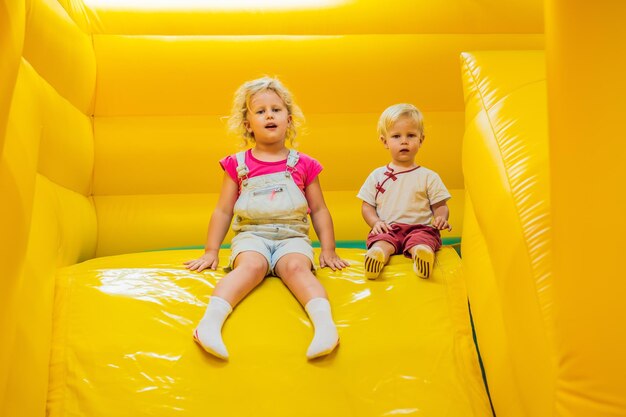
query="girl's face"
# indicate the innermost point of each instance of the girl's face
(403, 141)
(267, 119)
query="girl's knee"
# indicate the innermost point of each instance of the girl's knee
(296, 267)
(256, 267)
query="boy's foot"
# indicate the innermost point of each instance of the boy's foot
(374, 262)
(423, 261)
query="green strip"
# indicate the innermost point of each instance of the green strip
(343, 244)
(451, 241)
(480, 359)
(176, 248)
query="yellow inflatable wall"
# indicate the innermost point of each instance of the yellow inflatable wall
(506, 240)
(586, 85)
(111, 125)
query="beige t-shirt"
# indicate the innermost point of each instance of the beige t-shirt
(403, 196)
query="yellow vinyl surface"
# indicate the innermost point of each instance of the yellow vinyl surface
(123, 344)
(111, 127)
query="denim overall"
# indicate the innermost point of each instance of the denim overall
(271, 206)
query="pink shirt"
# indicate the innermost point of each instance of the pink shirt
(304, 173)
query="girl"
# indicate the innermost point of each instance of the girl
(270, 190)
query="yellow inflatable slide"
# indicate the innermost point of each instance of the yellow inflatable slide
(111, 126)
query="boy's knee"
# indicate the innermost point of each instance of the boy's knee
(423, 246)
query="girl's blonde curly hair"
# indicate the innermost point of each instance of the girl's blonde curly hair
(241, 106)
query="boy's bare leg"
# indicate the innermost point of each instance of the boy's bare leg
(294, 270)
(423, 260)
(377, 257)
(249, 270)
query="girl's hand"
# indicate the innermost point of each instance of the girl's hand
(208, 260)
(380, 227)
(330, 259)
(441, 223)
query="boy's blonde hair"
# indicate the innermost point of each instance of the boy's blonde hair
(393, 113)
(241, 106)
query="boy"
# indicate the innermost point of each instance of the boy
(400, 199)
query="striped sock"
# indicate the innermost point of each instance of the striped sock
(374, 262)
(423, 261)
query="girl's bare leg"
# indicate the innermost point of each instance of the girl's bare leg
(249, 269)
(295, 271)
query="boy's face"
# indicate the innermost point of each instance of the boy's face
(403, 141)
(267, 118)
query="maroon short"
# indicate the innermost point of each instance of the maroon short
(404, 236)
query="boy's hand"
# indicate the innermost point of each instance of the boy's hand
(330, 259)
(441, 223)
(208, 260)
(379, 227)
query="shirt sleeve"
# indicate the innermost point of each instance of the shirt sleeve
(311, 167)
(437, 191)
(229, 165)
(367, 192)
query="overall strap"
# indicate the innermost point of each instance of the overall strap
(242, 168)
(292, 160)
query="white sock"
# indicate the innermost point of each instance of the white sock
(209, 331)
(326, 337)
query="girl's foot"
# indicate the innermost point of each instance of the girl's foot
(374, 262)
(211, 341)
(208, 334)
(423, 261)
(326, 338)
